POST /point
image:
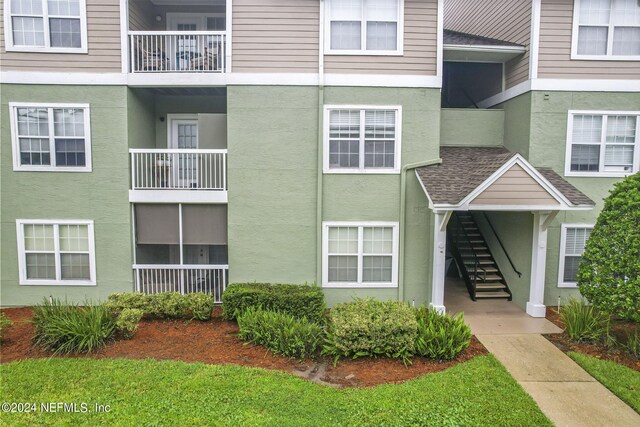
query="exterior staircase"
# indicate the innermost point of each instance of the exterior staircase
(475, 261)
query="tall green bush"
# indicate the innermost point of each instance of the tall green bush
(298, 300)
(441, 336)
(609, 276)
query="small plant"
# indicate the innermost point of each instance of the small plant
(297, 300)
(441, 336)
(200, 305)
(127, 321)
(633, 343)
(121, 301)
(368, 327)
(280, 332)
(583, 322)
(66, 328)
(5, 322)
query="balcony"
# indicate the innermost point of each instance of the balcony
(177, 51)
(178, 176)
(185, 279)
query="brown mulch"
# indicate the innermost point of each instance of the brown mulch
(618, 328)
(215, 342)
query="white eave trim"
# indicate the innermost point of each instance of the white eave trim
(481, 53)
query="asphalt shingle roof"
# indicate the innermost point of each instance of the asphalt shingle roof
(455, 37)
(463, 169)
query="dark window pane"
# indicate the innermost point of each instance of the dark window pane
(70, 152)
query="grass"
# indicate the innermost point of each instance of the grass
(149, 392)
(624, 382)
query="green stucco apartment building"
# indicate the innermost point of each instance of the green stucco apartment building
(400, 149)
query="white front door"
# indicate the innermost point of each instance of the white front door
(184, 136)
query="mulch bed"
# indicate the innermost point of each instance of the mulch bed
(215, 342)
(619, 329)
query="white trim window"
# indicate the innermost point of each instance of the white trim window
(602, 143)
(51, 137)
(364, 27)
(606, 29)
(572, 243)
(56, 252)
(360, 255)
(362, 139)
(58, 26)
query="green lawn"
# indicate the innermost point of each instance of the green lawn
(624, 382)
(479, 392)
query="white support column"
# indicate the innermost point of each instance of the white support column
(439, 252)
(535, 305)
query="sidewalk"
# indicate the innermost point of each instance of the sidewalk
(566, 394)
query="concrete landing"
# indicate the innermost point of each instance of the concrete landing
(566, 393)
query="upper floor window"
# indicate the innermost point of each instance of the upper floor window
(606, 28)
(46, 26)
(573, 241)
(369, 27)
(53, 137)
(362, 139)
(603, 143)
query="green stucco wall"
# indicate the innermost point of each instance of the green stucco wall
(472, 127)
(100, 195)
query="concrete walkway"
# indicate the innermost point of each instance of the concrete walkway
(566, 393)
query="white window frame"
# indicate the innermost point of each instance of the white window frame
(8, 31)
(22, 265)
(601, 173)
(362, 169)
(563, 249)
(359, 284)
(606, 57)
(363, 36)
(15, 143)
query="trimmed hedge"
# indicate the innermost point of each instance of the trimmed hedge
(368, 327)
(441, 336)
(127, 321)
(169, 305)
(297, 300)
(282, 333)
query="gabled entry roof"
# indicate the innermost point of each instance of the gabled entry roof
(468, 47)
(495, 178)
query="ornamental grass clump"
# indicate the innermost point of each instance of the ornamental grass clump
(65, 328)
(368, 327)
(441, 336)
(5, 322)
(583, 322)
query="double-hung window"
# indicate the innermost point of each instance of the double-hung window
(360, 254)
(51, 137)
(362, 139)
(369, 27)
(46, 26)
(602, 143)
(605, 29)
(572, 243)
(54, 252)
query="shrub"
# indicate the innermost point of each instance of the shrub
(169, 305)
(66, 328)
(297, 300)
(368, 327)
(121, 301)
(633, 343)
(281, 332)
(583, 322)
(609, 276)
(441, 336)
(5, 322)
(127, 321)
(200, 305)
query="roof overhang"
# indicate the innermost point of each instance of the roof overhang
(480, 53)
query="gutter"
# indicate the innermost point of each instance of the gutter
(403, 198)
(320, 154)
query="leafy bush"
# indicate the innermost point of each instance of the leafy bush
(169, 305)
(281, 332)
(66, 328)
(633, 343)
(5, 322)
(127, 321)
(297, 300)
(583, 322)
(609, 276)
(441, 336)
(368, 327)
(200, 305)
(122, 301)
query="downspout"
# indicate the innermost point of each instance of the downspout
(320, 154)
(403, 197)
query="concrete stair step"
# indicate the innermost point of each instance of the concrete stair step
(487, 286)
(497, 294)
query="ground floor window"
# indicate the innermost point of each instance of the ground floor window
(54, 252)
(360, 254)
(572, 243)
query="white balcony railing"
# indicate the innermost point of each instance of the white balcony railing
(178, 169)
(177, 51)
(185, 279)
